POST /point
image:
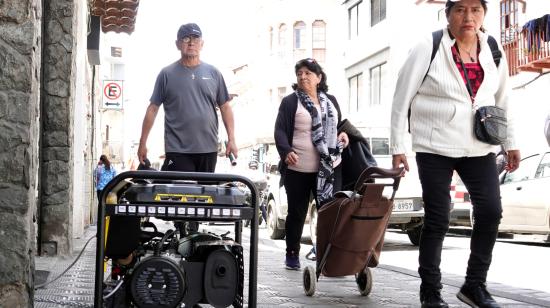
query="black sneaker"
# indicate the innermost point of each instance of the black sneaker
(476, 295)
(431, 298)
(292, 261)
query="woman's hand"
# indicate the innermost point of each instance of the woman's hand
(344, 139)
(512, 161)
(291, 159)
(398, 160)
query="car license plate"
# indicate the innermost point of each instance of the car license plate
(401, 205)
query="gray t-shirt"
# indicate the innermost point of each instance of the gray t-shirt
(190, 97)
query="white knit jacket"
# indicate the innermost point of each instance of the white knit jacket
(442, 113)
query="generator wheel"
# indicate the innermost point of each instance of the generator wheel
(310, 280)
(364, 281)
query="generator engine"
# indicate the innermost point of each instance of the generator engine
(205, 268)
(182, 265)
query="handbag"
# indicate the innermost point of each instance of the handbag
(490, 125)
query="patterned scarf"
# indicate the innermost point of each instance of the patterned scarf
(324, 135)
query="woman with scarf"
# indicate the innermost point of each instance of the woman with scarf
(309, 147)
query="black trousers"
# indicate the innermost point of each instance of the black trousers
(300, 187)
(203, 162)
(480, 177)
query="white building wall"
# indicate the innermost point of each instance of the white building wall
(112, 121)
(272, 69)
(81, 173)
(390, 41)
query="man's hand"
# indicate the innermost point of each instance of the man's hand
(142, 153)
(512, 161)
(231, 147)
(148, 121)
(398, 160)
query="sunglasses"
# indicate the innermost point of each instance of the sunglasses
(189, 39)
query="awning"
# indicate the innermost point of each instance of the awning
(116, 15)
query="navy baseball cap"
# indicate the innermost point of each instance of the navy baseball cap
(451, 1)
(190, 29)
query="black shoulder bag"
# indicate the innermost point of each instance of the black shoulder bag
(490, 123)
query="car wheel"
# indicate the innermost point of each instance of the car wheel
(313, 222)
(414, 235)
(274, 230)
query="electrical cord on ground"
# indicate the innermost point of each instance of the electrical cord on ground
(42, 285)
(62, 303)
(114, 290)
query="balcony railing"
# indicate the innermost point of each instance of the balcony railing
(528, 51)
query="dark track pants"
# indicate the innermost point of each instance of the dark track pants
(480, 177)
(204, 162)
(299, 188)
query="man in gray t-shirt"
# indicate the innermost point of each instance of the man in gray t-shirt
(190, 91)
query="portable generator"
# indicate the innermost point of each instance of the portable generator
(180, 265)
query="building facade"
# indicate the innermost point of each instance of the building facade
(381, 32)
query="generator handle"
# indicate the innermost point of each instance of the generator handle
(177, 175)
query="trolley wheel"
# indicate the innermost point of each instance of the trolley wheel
(310, 280)
(364, 281)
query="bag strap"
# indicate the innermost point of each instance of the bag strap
(495, 52)
(436, 41)
(437, 36)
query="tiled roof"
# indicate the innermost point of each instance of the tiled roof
(116, 15)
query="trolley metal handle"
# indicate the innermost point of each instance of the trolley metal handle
(176, 175)
(380, 173)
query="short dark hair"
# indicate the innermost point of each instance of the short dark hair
(312, 65)
(449, 5)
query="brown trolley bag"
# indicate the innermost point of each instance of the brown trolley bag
(350, 228)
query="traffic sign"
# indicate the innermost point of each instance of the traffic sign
(112, 94)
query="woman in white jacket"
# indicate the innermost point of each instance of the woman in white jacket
(441, 125)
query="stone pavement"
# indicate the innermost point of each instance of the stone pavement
(393, 286)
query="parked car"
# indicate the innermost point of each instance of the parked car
(461, 211)
(526, 197)
(407, 214)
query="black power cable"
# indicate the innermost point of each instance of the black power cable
(42, 285)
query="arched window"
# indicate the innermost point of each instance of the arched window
(299, 35)
(281, 40)
(319, 39)
(270, 38)
(282, 36)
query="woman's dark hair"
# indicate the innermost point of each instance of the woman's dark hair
(312, 65)
(449, 5)
(103, 158)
